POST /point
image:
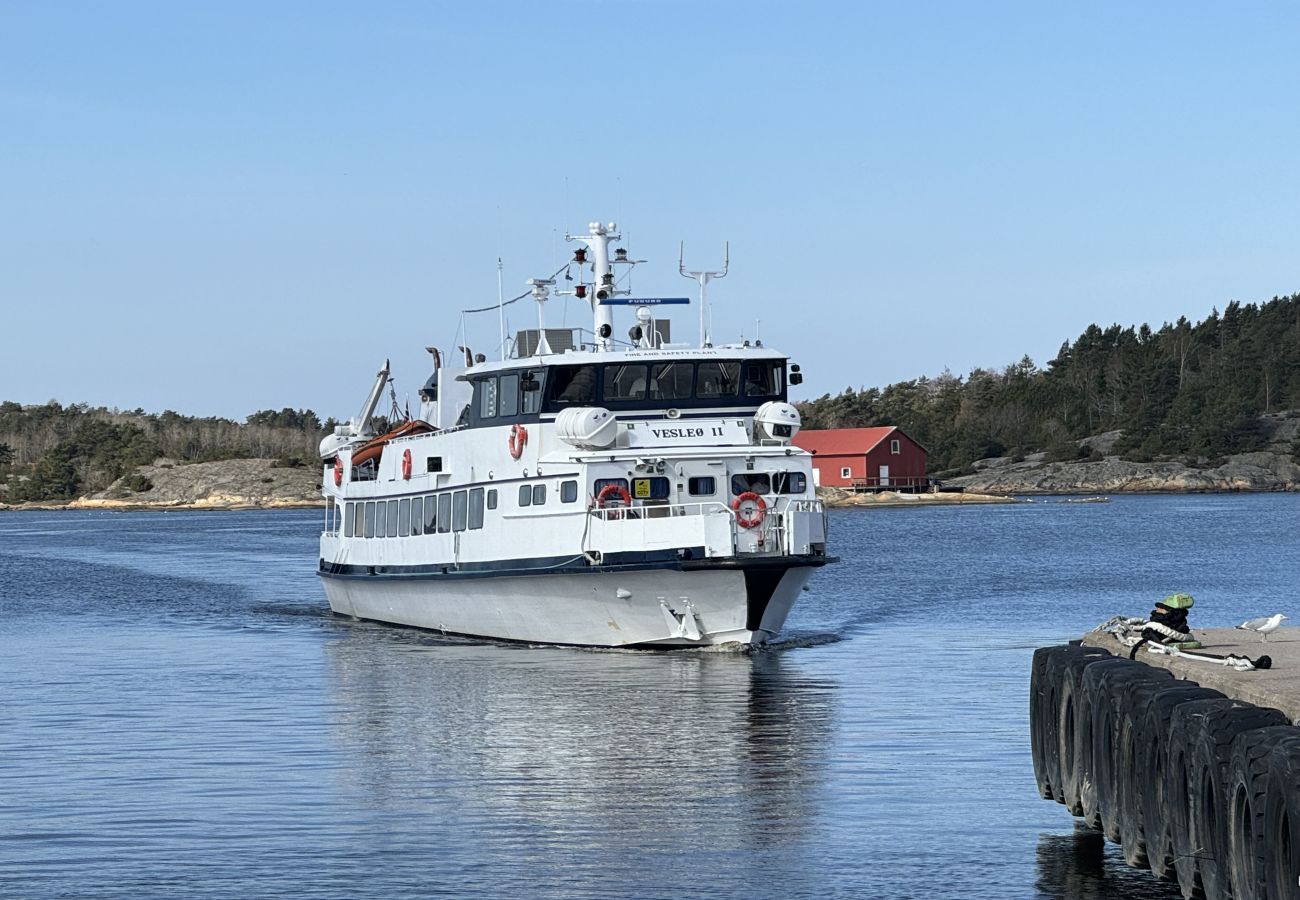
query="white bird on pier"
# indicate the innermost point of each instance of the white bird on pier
(1265, 625)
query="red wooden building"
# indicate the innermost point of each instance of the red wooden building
(866, 458)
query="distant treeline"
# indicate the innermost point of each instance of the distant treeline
(55, 452)
(1184, 391)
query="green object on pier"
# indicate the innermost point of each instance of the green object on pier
(1178, 601)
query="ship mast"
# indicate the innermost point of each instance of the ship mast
(597, 240)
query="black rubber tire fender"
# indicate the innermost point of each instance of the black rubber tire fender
(1244, 814)
(1070, 724)
(1038, 719)
(1209, 800)
(1181, 782)
(1152, 763)
(1131, 775)
(1094, 712)
(1107, 722)
(1281, 844)
(1049, 666)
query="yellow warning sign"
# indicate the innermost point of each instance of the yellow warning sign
(641, 488)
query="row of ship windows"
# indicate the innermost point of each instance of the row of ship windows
(453, 511)
(437, 513)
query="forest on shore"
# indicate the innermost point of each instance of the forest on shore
(1190, 392)
(56, 452)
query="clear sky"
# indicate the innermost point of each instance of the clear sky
(223, 207)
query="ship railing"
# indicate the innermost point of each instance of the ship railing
(785, 528)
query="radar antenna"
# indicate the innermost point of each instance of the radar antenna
(703, 278)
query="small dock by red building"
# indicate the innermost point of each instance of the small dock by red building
(866, 459)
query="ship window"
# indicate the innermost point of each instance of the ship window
(671, 381)
(487, 398)
(433, 464)
(403, 517)
(789, 482)
(702, 486)
(716, 379)
(525, 495)
(626, 382)
(381, 518)
(568, 491)
(602, 483)
(509, 403)
(392, 518)
(459, 511)
(349, 518)
(476, 508)
(530, 389)
(539, 495)
(417, 515)
(370, 518)
(763, 378)
(650, 488)
(444, 513)
(755, 482)
(572, 385)
(895, 447)
(430, 514)
(492, 499)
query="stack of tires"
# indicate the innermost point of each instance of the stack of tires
(1197, 787)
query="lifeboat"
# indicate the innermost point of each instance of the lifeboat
(375, 446)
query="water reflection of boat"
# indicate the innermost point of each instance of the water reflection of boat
(696, 751)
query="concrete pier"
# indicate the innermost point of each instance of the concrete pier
(1192, 767)
(1277, 687)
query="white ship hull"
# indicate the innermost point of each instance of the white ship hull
(637, 607)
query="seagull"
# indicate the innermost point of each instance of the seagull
(1264, 625)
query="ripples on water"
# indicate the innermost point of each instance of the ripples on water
(181, 714)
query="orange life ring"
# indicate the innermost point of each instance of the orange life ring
(518, 438)
(406, 463)
(609, 491)
(760, 510)
(338, 472)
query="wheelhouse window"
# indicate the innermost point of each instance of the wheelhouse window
(508, 404)
(671, 381)
(754, 482)
(716, 379)
(487, 398)
(602, 483)
(764, 378)
(789, 482)
(572, 385)
(530, 391)
(626, 382)
(568, 491)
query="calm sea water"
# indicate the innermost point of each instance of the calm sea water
(181, 715)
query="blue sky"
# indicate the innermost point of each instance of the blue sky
(226, 207)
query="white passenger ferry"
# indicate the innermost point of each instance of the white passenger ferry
(594, 491)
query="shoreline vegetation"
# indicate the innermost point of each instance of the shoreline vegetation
(1207, 407)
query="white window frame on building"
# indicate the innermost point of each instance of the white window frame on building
(846, 472)
(895, 446)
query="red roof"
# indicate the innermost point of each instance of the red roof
(842, 441)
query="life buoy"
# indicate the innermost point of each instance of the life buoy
(406, 463)
(610, 491)
(754, 519)
(338, 472)
(518, 438)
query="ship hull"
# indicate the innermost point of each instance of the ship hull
(665, 607)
